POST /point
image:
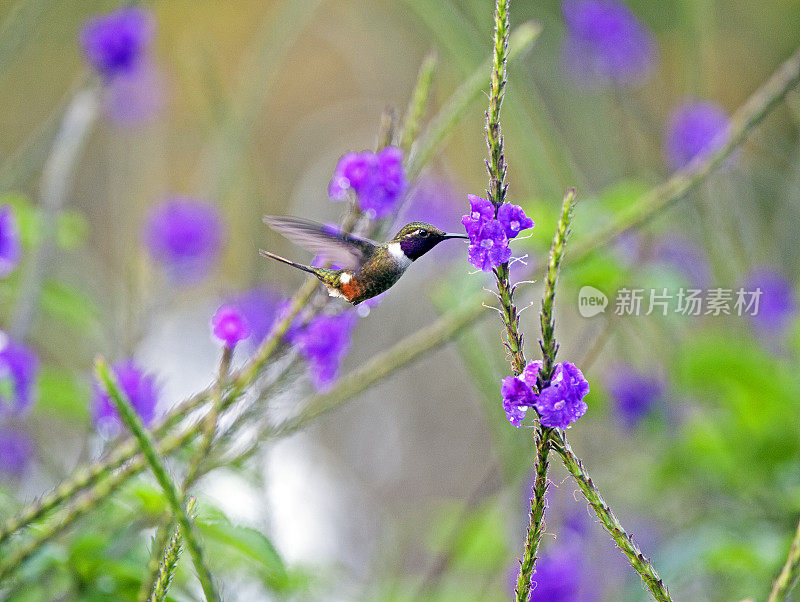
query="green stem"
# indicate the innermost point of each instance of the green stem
(418, 103)
(459, 102)
(635, 557)
(787, 578)
(131, 419)
(533, 535)
(169, 559)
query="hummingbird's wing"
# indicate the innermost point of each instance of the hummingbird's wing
(343, 249)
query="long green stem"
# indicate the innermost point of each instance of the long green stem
(635, 557)
(549, 347)
(418, 103)
(787, 578)
(131, 420)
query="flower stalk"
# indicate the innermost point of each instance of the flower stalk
(787, 578)
(131, 420)
(624, 542)
(169, 559)
(543, 434)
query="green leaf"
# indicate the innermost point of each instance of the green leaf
(243, 545)
(69, 305)
(71, 231)
(28, 217)
(62, 394)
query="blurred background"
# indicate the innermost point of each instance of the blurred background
(138, 201)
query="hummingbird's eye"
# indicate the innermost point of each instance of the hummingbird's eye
(423, 233)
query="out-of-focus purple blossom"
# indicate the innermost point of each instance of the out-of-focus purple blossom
(377, 179)
(606, 43)
(628, 247)
(634, 394)
(517, 398)
(324, 343)
(117, 42)
(19, 368)
(295, 329)
(695, 130)
(259, 306)
(434, 199)
(558, 574)
(16, 451)
(777, 304)
(229, 325)
(561, 402)
(10, 245)
(513, 219)
(134, 97)
(140, 388)
(488, 244)
(184, 235)
(685, 256)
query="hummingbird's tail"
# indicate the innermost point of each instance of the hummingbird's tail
(299, 266)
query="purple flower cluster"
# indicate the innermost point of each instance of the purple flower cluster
(606, 43)
(558, 404)
(695, 130)
(258, 307)
(10, 245)
(16, 450)
(116, 43)
(138, 386)
(19, 368)
(377, 179)
(634, 394)
(490, 231)
(778, 303)
(184, 236)
(229, 325)
(324, 342)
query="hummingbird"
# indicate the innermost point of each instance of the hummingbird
(368, 268)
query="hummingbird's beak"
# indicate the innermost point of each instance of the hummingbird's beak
(454, 236)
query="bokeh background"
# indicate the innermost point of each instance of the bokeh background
(418, 488)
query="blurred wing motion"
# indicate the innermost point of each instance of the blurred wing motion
(346, 250)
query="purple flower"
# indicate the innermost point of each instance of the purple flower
(517, 398)
(19, 367)
(561, 402)
(134, 97)
(229, 325)
(633, 393)
(558, 573)
(695, 130)
(115, 43)
(10, 246)
(324, 343)
(434, 199)
(513, 219)
(377, 179)
(138, 386)
(686, 257)
(16, 450)
(488, 244)
(259, 306)
(606, 43)
(777, 304)
(184, 236)
(481, 211)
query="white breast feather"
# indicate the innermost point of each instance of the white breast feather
(396, 251)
